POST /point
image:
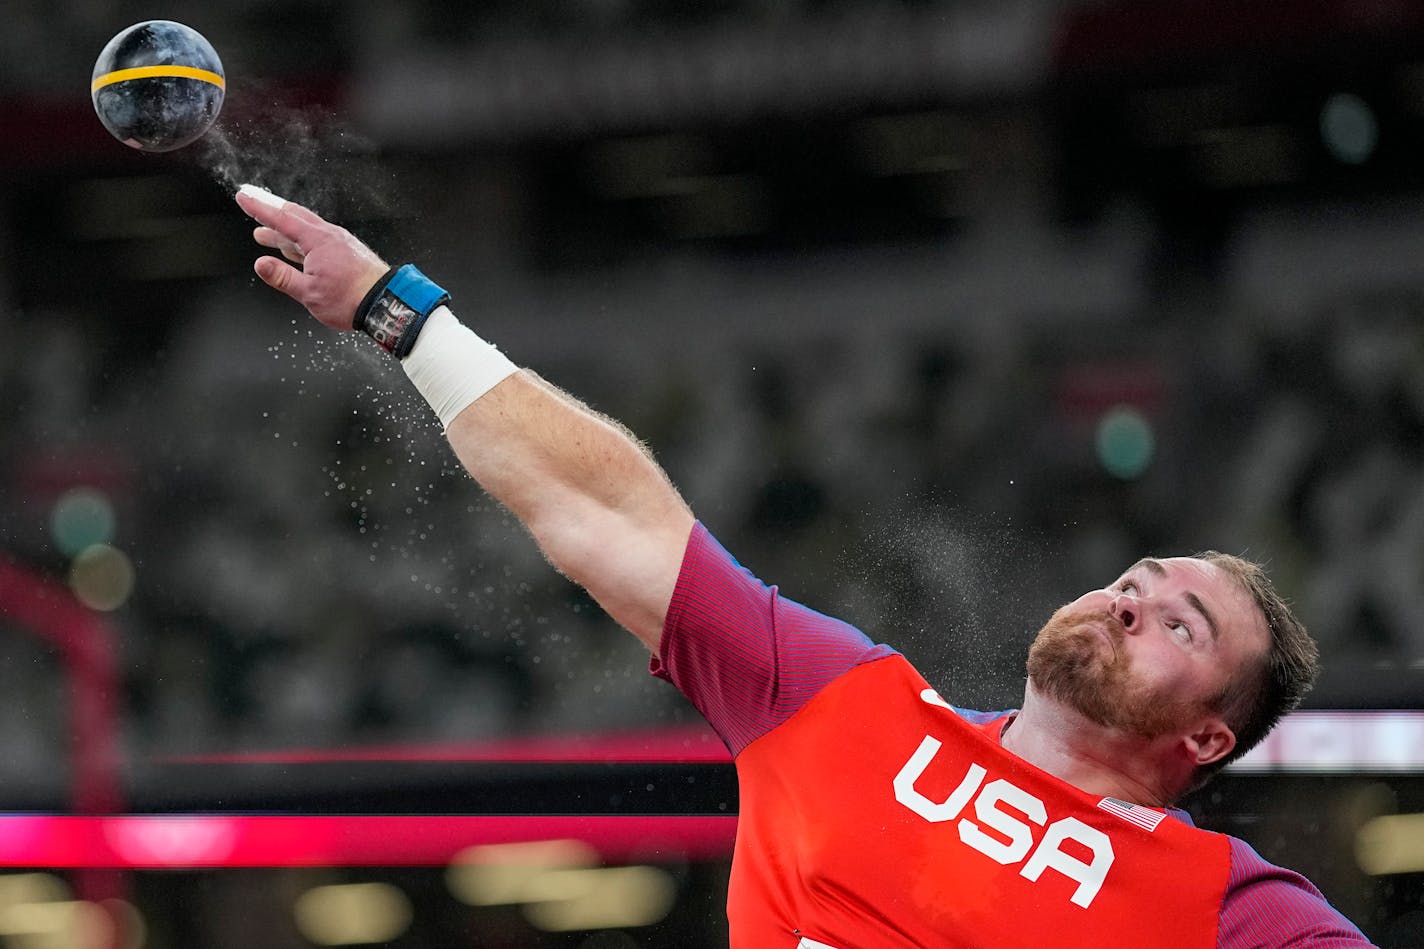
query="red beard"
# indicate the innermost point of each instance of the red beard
(1071, 661)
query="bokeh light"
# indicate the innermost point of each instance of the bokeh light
(70, 924)
(81, 518)
(1125, 442)
(600, 898)
(1391, 843)
(353, 914)
(1348, 128)
(32, 888)
(102, 577)
(132, 928)
(39, 911)
(504, 874)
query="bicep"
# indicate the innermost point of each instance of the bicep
(597, 504)
(630, 568)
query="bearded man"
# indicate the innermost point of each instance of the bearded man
(874, 813)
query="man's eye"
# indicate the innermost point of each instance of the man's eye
(1182, 629)
(1127, 586)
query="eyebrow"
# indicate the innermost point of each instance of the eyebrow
(1156, 568)
(1152, 566)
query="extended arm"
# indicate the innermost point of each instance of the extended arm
(597, 504)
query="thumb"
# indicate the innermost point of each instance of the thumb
(278, 275)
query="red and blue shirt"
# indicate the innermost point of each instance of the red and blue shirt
(875, 814)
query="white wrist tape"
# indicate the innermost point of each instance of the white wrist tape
(452, 367)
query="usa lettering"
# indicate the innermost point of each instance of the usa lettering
(1015, 839)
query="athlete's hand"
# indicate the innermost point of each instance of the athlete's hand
(336, 269)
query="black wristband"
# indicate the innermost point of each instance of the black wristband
(394, 310)
(358, 319)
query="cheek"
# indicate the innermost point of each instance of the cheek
(1161, 665)
(1163, 670)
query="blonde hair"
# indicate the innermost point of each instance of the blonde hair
(1260, 693)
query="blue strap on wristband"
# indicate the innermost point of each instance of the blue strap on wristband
(396, 307)
(416, 290)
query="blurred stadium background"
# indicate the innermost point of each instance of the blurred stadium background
(939, 312)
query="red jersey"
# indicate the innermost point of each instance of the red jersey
(874, 814)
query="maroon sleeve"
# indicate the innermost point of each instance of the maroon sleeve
(744, 656)
(1266, 905)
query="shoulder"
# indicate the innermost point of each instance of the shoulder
(747, 657)
(718, 598)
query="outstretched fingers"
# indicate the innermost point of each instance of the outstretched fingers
(305, 214)
(268, 237)
(335, 269)
(297, 224)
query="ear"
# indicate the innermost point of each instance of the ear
(1211, 740)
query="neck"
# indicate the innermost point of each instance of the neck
(1094, 759)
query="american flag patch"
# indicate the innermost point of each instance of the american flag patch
(1144, 817)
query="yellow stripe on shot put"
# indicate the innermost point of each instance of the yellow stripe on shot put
(151, 72)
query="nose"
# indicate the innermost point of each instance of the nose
(1125, 607)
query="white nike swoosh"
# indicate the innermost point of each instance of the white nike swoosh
(931, 697)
